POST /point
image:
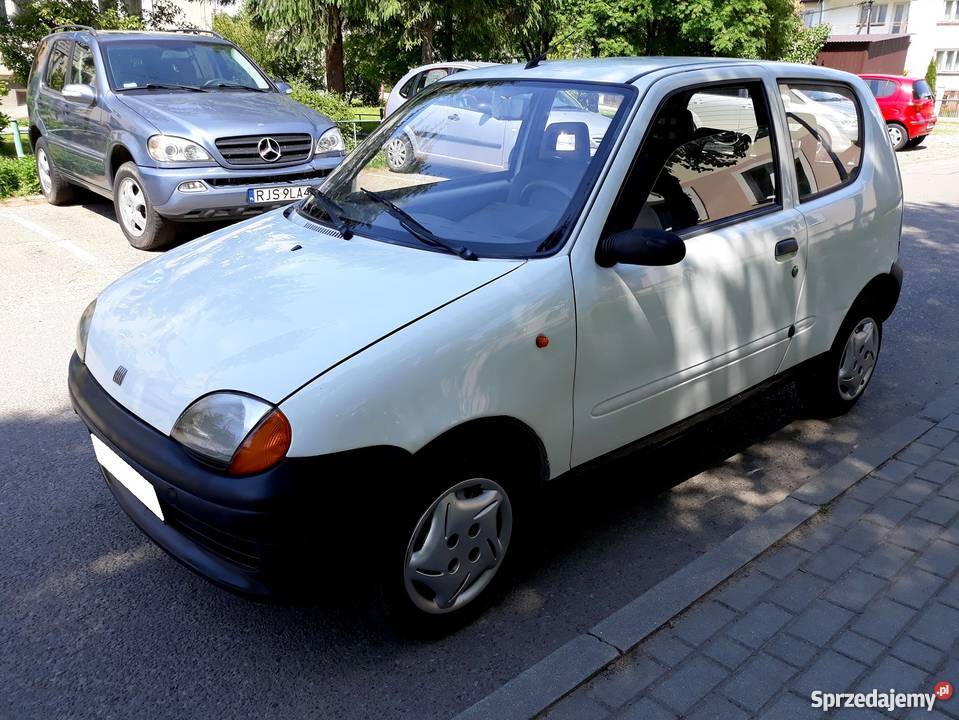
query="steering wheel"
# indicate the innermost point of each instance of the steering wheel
(546, 185)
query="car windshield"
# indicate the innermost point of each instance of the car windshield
(490, 168)
(180, 64)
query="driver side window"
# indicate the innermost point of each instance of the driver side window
(708, 156)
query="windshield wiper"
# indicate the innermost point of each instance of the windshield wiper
(237, 86)
(418, 230)
(333, 210)
(162, 86)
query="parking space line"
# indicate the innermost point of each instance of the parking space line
(71, 247)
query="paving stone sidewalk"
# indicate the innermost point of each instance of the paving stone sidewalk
(863, 596)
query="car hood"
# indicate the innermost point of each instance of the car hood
(207, 116)
(241, 309)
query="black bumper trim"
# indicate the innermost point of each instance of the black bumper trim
(250, 534)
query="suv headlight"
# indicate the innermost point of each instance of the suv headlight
(83, 329)
(239, 433)
(330, 142)
(166, 148)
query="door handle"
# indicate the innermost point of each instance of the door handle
(454, 116)
(787, 249)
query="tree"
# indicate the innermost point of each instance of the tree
(34, 19)
(931, 76)
(806, 44)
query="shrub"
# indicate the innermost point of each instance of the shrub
(18, 176)
(931, 75)
(334, 106)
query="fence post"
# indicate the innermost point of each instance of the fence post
(16, 138)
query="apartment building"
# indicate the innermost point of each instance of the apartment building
(931, 25)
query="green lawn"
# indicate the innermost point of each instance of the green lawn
(7, 148)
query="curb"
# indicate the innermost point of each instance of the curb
(559, 673)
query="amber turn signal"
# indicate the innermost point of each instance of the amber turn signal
(264, 447)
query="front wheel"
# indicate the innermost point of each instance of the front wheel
(400, 156)
(453, 544)
(898, 135)
(143, 227)
(840, 378)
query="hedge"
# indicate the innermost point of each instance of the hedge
(18, 176)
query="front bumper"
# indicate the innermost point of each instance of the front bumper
(225, 196)
(263, 535)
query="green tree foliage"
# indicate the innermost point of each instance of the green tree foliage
(931, 75)
(806, 44)
(33, 19)
(269, 49)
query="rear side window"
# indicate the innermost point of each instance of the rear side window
(709, 156)
(882, 88)
(921, 90)
(825, 134)
(83, 70)
(58, 65)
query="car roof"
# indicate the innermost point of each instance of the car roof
(145, 35)
(896, 78)
(628, 69)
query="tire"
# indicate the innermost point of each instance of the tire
(836, 381)
(143, 227)
(916, 141)
(55, 189)
(400, 156)
(898, 135)
(452, 544)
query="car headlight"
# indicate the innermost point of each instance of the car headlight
(83, 329)
(166, 148)
(330, 142)
(239, 433)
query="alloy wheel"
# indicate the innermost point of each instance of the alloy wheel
(43, 171)
(858, 359)
(458, 546)
(132, 204)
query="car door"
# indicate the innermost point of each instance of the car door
(51, 106)
(656, 345)
(85, 134)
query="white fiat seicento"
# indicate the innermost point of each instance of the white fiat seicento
(384, 375)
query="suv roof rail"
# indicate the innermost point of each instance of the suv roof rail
(198, 31)
(68, 28)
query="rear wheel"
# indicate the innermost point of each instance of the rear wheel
(897, 135)
(838, 380)
(143, 227)
(55, 189)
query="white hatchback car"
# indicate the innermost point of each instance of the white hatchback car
(394, 367)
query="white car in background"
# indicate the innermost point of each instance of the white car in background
(481, 137)
(379, 382)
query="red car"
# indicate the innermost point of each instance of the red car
(908, 106)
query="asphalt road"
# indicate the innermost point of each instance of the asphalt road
(96, 621)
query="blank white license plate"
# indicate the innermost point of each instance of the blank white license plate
(127, 476)
(287, 193)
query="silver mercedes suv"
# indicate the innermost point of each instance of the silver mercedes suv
(172, 126)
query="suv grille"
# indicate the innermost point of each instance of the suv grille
(245, 150)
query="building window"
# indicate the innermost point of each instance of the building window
(951, 13)
(947, 61)
(900, 16)
(812, 14)
(879, 13)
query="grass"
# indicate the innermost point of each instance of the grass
(7, 148)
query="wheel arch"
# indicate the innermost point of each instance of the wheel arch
(881, 293)
(34, 135)
(119, 154)
(510, 436)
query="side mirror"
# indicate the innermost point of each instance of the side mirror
(641, 246)
(80, 94)
(283, 87)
